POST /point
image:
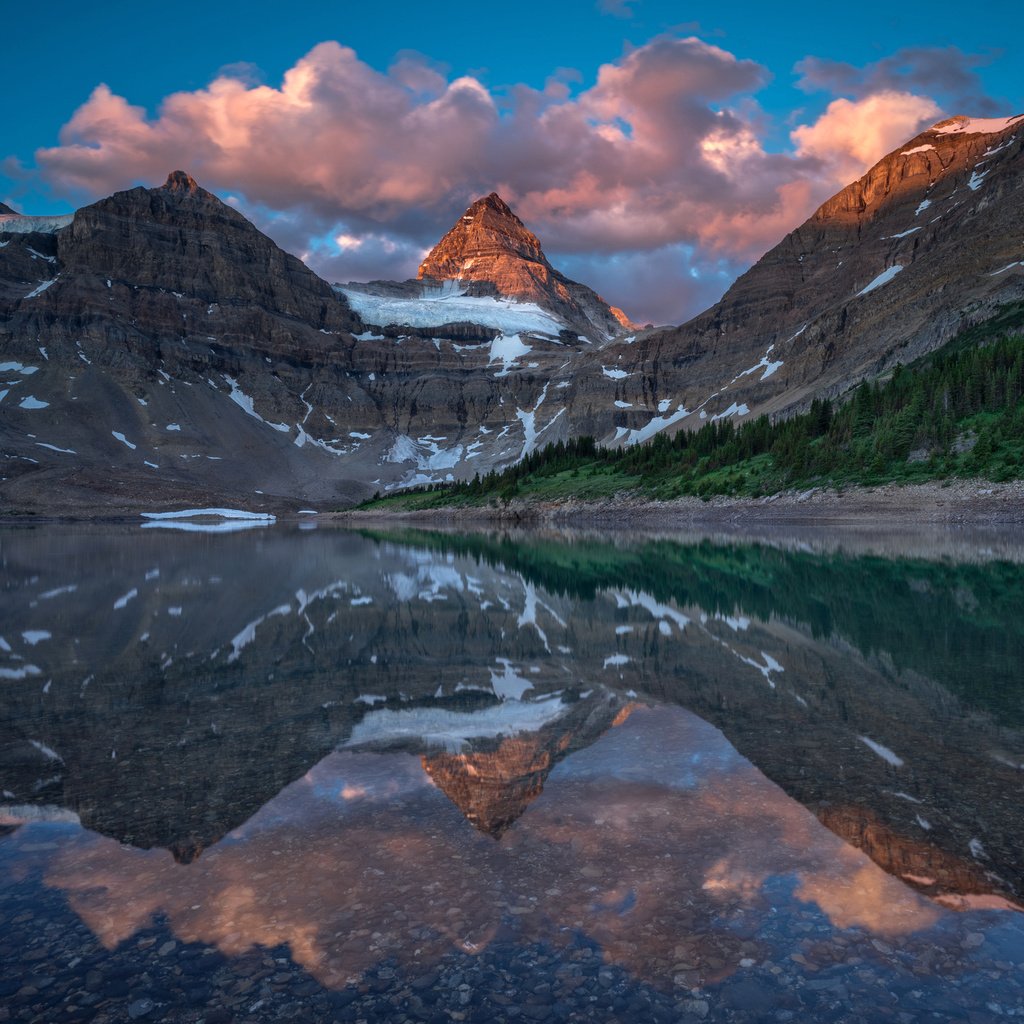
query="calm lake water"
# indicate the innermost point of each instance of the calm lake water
(320, 775)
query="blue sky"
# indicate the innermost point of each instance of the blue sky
(777, 68)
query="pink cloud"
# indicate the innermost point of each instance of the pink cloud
(664, 148)
(852, 135)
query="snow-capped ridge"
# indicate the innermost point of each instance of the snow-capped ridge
(961, 124)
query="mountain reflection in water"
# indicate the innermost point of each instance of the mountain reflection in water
(378, 749)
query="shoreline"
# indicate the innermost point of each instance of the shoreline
(935, 503)
(957, 502)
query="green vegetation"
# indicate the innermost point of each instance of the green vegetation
(959, 624)
(957, 412)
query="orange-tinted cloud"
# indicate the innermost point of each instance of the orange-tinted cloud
(854, 134)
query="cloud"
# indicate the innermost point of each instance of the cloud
(853, 134)
(663, 285)
(945, 72)
(661, 152)
(617, 8)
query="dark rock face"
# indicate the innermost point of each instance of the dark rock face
(151, 300)
(182, 239)
(489, 244)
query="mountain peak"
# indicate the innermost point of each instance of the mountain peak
(485, 235)
(181, 181)
(489, 244)
(5, 210)
(492, 201)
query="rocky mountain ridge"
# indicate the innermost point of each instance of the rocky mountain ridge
(926, 242)
(158, 349)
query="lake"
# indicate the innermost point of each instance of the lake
(317, 774)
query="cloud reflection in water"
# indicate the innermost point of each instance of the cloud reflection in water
(658, 842)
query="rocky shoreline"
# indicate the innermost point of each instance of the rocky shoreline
(949, 502)
(936, 504)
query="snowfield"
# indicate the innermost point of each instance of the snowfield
(17, 224)
(977, 125)
(437, 306)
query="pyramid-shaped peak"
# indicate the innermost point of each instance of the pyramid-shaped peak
(491, 201)
(495, 212)
(5, 210)
(490, 248)
(488, 235)
(181, 181)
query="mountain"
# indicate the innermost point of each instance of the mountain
(489, 270)
(926, 242)
(158, 349)
(490, 245)
(123, 330)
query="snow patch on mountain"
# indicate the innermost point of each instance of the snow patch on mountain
(654, 426)
(245, 403)
(976, 179)
(19, 224)
(39, 289)
(437, 727)
(506, 349)
(883, 752)
(733, 410)
(883, 278)
(451, 304)
(528, 418)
